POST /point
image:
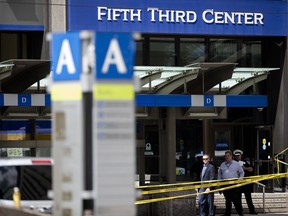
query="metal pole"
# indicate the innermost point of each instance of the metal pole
(86, 81)
(263, 199)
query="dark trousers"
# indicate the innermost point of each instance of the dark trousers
(247, 189)
(206, 203)
(233, 195)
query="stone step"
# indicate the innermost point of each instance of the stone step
(274, 203)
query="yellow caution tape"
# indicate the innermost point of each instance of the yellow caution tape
(276, 158)
(218, 184)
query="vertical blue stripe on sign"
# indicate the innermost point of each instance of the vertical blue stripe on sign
(1, 99)
(246, 101)
(24, 100)
(208, 100)
(47, 100)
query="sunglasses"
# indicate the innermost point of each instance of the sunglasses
(205, 158)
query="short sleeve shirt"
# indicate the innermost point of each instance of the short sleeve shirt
(230, 170)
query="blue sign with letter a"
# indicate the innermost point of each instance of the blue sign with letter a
(66, 56)
(114, 56)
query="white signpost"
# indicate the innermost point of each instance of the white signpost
(67, 124)
(114, 125)
(105, 169)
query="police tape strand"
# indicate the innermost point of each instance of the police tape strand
(276, 158)
(211, 183)
(218, 184)
(195, 185)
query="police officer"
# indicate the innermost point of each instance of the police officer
(246, 189)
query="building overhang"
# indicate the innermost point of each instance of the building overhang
(18, 76)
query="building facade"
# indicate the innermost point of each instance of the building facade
(211, 35)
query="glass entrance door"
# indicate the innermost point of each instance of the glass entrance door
(264, 159)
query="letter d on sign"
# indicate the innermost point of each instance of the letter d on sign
(208, 100)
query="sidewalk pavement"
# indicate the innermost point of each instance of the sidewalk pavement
(261, 214)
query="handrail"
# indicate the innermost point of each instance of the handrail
(263, 189)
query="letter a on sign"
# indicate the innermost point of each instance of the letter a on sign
(66, 56)
(114, 56)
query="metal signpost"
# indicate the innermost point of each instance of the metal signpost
(67, 128)
(114, 125)
(108, 166)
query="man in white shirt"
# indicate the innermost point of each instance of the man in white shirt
(227, 170)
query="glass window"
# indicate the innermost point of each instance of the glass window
(189, 139)
(24, 46)
(250, 54)
(8, 46)
(43, 130)
(253, 54)
(24, 130)
(34, 182)
(223, 50)
(151, 149)
(222, 144)
(20, 45)
(162, 51)
(191, 51)
(139, 53)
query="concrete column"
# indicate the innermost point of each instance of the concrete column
(162, 149)
(208, 137)
(57, 16)
(140, 144)
(55, 21)
(280, 135)
(171, 145)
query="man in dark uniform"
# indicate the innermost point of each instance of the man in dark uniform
(246, 189)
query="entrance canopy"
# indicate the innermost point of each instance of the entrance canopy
(18, 77)
(200, 78)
